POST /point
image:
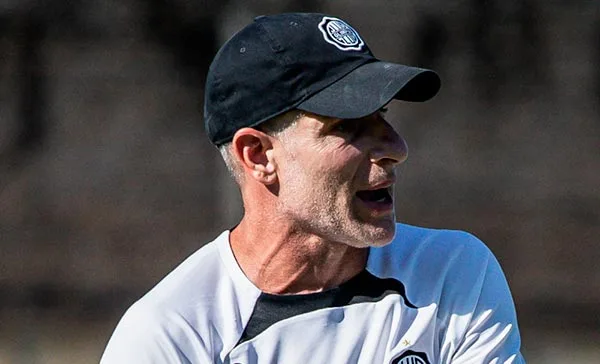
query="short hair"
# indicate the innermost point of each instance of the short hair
(276, 127)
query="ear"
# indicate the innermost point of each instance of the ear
(254, 151)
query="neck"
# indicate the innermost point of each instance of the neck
(281, 259)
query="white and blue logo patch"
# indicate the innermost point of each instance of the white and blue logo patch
(340, 34)
(411, 357)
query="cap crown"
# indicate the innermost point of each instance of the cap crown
(274, 64)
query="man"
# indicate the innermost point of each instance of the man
(318, 270)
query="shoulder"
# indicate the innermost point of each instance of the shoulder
(152, 334)
(430, 262)
(166, 323)
(432, 240)
(455, 273)
(427, 247)
(203, 270)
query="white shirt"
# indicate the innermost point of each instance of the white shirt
(430, 296)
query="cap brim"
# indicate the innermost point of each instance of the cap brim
(370, 87)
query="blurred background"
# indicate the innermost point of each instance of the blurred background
(107, 180)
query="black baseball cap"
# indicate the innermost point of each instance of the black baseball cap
(307, 61)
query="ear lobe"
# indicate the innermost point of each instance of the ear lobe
(254, 151)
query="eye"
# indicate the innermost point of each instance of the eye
(347, 126)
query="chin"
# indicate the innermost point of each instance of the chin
(382, 240)
(377, 235)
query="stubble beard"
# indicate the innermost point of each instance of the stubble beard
(330, 212)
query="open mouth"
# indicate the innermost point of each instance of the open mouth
(381, 196)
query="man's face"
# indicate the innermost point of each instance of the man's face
(336, 178)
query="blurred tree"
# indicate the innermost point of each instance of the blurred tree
(23, 26)
(189, 34)
(596, 47)
(32, 79)
(431, 38)
(507, 47)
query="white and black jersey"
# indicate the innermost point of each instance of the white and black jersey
(430, 296)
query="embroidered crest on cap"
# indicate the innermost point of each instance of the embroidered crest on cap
(411, 357)
(340, 34)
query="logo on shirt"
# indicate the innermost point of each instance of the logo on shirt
(411, 357)
(340, 34)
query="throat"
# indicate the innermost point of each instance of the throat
(296, 266)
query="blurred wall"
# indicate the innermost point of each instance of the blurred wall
(107, 180)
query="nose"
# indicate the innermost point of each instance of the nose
(389, 146)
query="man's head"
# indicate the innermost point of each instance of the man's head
(294, 103)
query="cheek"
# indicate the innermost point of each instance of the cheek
(324, 166)
(339, 176)
(342, 161)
